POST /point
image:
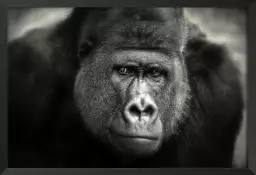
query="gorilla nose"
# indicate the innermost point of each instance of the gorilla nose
(141, 108)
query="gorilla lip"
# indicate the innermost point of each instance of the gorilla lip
(146, 137)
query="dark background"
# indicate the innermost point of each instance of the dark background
(227, 26)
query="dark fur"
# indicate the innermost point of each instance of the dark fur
(45, 127)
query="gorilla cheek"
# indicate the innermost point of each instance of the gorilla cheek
(95, 101)
(167, 110)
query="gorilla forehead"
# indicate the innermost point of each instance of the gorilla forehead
(146, 14)
(136, 27)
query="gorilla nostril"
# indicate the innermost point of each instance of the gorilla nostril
(135, 110)
(149, 110)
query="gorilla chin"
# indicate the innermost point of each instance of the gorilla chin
(136, 146)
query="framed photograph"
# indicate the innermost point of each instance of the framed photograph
(127, 87)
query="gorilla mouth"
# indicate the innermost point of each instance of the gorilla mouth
(135, 136)
(136, 144)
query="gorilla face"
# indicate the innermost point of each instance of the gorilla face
(132, 97)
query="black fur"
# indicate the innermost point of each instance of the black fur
(45, 127)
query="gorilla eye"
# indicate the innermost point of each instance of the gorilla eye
(124, 70)
(155, 72)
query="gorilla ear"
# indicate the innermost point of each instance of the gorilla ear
(84, 48)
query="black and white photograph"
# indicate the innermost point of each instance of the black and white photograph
(127, 87)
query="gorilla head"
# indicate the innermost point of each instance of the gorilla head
(135, 78)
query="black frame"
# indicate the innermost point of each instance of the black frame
(251, 120)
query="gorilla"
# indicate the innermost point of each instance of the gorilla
(122, 87)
